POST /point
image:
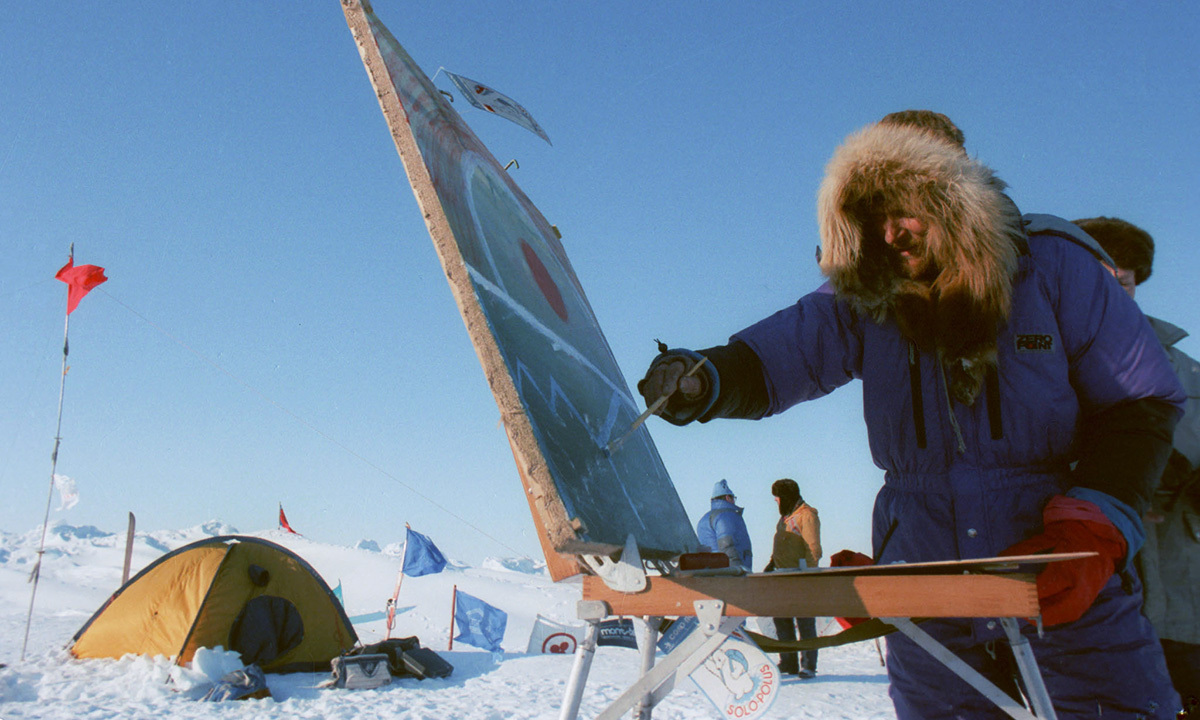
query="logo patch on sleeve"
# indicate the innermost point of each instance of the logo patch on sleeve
(1035, 343)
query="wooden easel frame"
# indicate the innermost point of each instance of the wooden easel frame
(441, 156)
(720, 603)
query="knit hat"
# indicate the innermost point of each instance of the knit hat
(1131, 247)
(788, 493)
(721, 489)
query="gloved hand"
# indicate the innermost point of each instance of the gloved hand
(1067, 589)
(688, 395)
(849, 558)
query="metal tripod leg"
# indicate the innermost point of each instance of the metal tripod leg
(649, 645)
(1035, 688)
(579, 672)
(960, 668)
(713, 631)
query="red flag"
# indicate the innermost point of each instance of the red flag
(849, 558)
(80, 281)
(283, 523)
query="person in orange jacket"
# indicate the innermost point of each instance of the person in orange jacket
(797, 538)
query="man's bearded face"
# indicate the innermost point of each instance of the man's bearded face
(906, 241)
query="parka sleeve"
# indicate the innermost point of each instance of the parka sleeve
(1130, 398)
(804, 351)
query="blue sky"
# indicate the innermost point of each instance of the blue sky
(277, 326)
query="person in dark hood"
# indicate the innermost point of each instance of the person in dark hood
(1013, 394)
(797, 545)
(1169, 563)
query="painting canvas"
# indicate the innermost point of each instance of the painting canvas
(561, 394)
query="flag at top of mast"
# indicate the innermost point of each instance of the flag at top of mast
(80, 280)
(497, 103)
(421, 556)
(283, 521)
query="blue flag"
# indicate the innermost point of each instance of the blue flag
(421, 556)
(479, 624)
(677, 633)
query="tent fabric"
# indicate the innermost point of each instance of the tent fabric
(234, 591)
(152, 613)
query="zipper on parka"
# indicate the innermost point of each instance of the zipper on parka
(962, 445)
(993, 402)
(918, 399)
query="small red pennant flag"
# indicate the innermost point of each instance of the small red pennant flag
(283, 523)
(80, 281)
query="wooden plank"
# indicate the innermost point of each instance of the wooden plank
(818, 594)
(559, 566)
(561, 394)
(942, 567)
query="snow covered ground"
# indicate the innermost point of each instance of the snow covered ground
(82, 568)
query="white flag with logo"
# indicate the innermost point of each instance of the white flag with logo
(68, 494)
(497, 103)
(739, 679)
(553, 638)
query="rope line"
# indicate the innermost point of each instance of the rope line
(334, 441)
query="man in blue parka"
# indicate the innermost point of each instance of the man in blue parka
(1015, 396)
(722, 529)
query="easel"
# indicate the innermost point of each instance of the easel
(433, 141)
(896, 594)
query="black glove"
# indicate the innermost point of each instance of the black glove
(689, 397)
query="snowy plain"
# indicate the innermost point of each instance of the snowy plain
(82, 567)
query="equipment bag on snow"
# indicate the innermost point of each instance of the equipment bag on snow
(406, 658)
(245, 684)
(359, 672)
(424, 663)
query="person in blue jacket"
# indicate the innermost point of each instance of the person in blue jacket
(1014, 396)
(1169, 562)
(722, 529)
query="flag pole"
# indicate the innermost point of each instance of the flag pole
(37, 566)
(391, 609)
(453, 609)
(128, 551)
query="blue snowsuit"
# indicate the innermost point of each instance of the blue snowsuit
(723, 530)
(952, 503)
(1078, 398)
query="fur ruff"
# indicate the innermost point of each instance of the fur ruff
(973, 237)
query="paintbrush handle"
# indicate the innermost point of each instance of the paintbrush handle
(653, 408)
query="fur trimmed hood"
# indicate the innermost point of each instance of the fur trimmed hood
(974, 237)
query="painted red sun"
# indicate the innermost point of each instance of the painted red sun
(544, 282)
